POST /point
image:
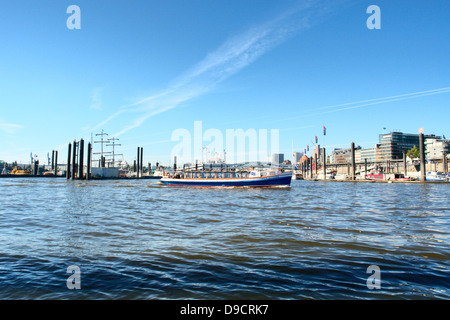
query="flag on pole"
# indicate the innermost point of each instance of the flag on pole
(316, 140)
(307, 147)
(324, 131)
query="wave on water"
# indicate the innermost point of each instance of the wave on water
(149, 241)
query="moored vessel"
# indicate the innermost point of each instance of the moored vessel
(388, 177)
(437, 176)
(20, 172)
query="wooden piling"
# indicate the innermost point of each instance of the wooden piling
(310, 162)
(324, 165)
(69, 151)
(444, 162)
(74, 159)
(365, 168)
(138, 161)
(303, 170)
(311, 167)
(315, 165)
(81, 159)
(307, 168)
(405, 169)
(423, 169)
(89, 155)
(56, 162)
(353, 161)
(53, 160)
(142, 161)
(175, 163)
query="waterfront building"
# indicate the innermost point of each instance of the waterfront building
(278, 158)
(371, 154)
(296, 156)
(330, 158)
(358, 155)
(393, 144)
(318, 152)
(436, 148)
(304, 158)
(343, 155)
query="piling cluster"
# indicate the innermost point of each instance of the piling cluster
(309, 168)
(75, 161)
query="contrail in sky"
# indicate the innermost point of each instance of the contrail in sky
(370, 102)
(362, 103)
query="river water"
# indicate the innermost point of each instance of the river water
(137, 239)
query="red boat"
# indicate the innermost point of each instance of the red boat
(387, 177)
(375, 176)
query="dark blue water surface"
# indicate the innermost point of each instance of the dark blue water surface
(137, 239)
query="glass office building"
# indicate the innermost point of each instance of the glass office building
(278, 158)
(392, 145)
(371, 154)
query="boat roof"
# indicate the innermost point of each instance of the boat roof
(242, 165)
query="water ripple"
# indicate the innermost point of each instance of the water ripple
(141, 240)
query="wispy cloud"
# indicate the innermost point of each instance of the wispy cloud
(96, 102)
(9, 127)
(231, 57)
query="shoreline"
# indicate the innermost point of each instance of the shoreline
(156, 178)
(376, 181)
(91, 178)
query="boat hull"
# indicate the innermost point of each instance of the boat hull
(268, 181)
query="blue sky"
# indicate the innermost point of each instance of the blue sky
(140, 70)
